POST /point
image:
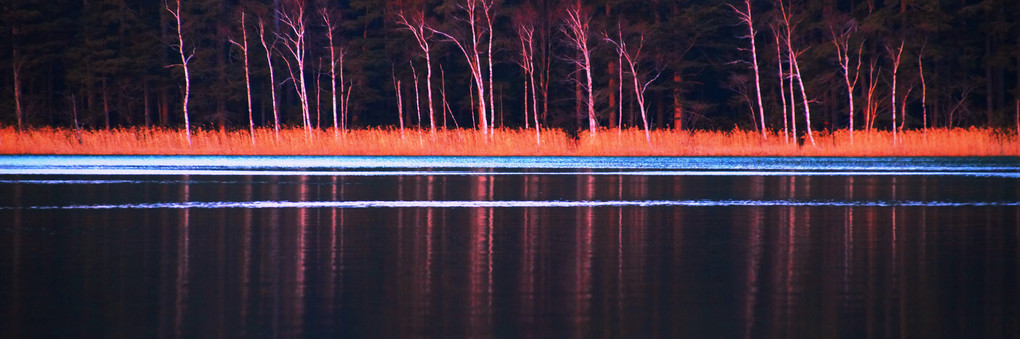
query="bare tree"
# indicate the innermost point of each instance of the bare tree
(487, 10)
(745, 17)
(334, 57)
(294, 41)
(272, 77)
(871, 104)
(470, 48)
(795, 69)
(896, 65)
(782, 83)
(417, 96)
(416, 25)
(17, 90)
(577, 31)
(633, 59)
(842, 42)
(526, 35)
(16, 64)
(247, 79)
(924, 90)
(176, 13)
(400, 103)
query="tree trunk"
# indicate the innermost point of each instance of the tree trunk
(247, 76)
(892, 97)
(400, 105)
(747, 19)
(272, 79)
(184, 64)
(782, 84)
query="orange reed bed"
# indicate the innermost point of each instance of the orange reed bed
(505, 142)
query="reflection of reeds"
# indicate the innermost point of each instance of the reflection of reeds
(632, 142)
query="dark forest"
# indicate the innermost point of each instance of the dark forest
(102, 64)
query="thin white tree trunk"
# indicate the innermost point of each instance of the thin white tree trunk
(747, 19)
(400, 105)
(842, 43)
(924, 92)
(576, 29)
(782, 84)
(272, 78)
(295, 43)
(473, 60)
(418, 28)
(807, 108)
(892, 98)
(327, 19)
(247, 78)
(487, 9)
(176, 13)
(417, 96)
(793, 100)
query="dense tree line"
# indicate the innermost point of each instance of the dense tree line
(516, 63)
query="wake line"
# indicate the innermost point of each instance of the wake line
(520, 204)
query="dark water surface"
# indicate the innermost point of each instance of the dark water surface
(139, 247)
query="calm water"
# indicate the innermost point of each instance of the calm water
(509, 247)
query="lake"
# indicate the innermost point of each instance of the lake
(193, 246)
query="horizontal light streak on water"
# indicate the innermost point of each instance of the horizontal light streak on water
(522, 204)
(966, 164)
(202, 172)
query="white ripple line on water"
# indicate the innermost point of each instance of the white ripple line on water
(366, 173)
(522, 204)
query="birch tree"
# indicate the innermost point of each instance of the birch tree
(576, 29)
(487, 11)
(795, 69)
(745, 17)
(841, 41)
(272, 77)
(470, 48)
(293, 37)
(526, 34)
(176, 13)
(782, 83)
(243, 45)
(896, 66)
(416, 25)
(632, 59)
(334, 58)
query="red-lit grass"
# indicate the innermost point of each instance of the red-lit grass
(504, 142)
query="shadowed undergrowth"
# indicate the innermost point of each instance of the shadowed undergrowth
(505, 142)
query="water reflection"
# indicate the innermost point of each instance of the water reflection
(525, 255)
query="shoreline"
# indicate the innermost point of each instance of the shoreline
(973, 142)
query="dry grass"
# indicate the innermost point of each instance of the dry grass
(505, 142)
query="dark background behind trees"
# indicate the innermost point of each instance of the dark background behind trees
(106, 62)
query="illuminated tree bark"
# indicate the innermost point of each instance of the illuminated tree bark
(525, 33)
(892, 89)
(632, 59)
(576, 29)
(782, 84)
(421, 33)
(469, 48)
(294, 41)
(745, 17)
(176, 13)
(842, 42)
(487, 10)
(334, 58)
(795, 70)
(272, 78)
(247, 78)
